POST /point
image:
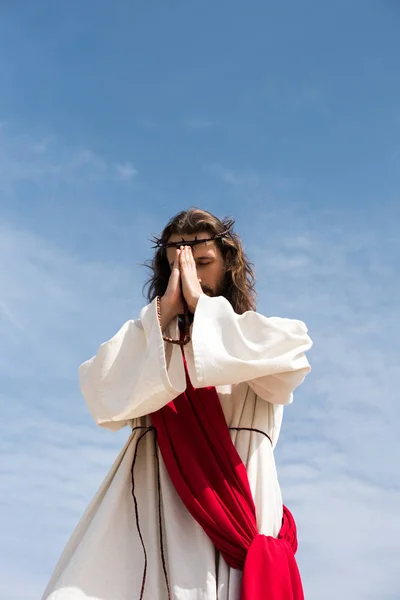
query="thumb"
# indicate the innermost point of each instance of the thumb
(176, 264)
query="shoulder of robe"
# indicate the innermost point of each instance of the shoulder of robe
(138, 323)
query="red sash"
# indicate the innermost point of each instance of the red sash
(212, 482)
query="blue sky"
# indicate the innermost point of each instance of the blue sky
(286, 116)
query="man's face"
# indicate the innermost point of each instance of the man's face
(209, 261)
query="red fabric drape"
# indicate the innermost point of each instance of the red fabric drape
(212, 482)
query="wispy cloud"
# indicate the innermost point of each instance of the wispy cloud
(44, 159)
(327, 267)
(230, 177)
(54, 457)
(303, 97)
(126, 171)
(302, 150)
(43, 145)
(199, 123)
(6, 312)
(337, 270)
(332, 476)
(249, 181)
(341, 434)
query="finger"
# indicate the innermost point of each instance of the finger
(176, 259)
(176, 270)
(183, 254)
(191, 256)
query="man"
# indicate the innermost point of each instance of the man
(191, 508)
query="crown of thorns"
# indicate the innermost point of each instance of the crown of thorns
(160, 243)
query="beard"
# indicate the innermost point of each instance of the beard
(209, 291)
(218, 290)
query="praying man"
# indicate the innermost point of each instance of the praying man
(191, 508)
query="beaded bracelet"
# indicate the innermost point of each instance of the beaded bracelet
(186, 338)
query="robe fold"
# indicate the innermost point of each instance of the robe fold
(136, 536)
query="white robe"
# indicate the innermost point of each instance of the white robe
(255, 363)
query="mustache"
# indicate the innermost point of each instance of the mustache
(208, 290)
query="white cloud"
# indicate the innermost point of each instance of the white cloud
(126, 171)
(25, 158)
(339, 439)
(335, 456)
(230, 177)
(43, 145)
(339, 436)
(250, 182)
(54, 456)
(6, 312)
(199, 123)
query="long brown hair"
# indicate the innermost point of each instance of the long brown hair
(239, 280)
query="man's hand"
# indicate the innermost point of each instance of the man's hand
(171, 303)
(191, 287)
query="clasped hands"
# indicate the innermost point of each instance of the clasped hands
(183, 285)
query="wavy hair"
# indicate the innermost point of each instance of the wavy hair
(238, 285)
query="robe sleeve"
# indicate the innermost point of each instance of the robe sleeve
(130, 375)
(266, 352)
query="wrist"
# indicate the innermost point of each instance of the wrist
(194, 302)
(167, 312)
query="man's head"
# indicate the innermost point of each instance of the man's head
(222, 267)
(208, 257)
